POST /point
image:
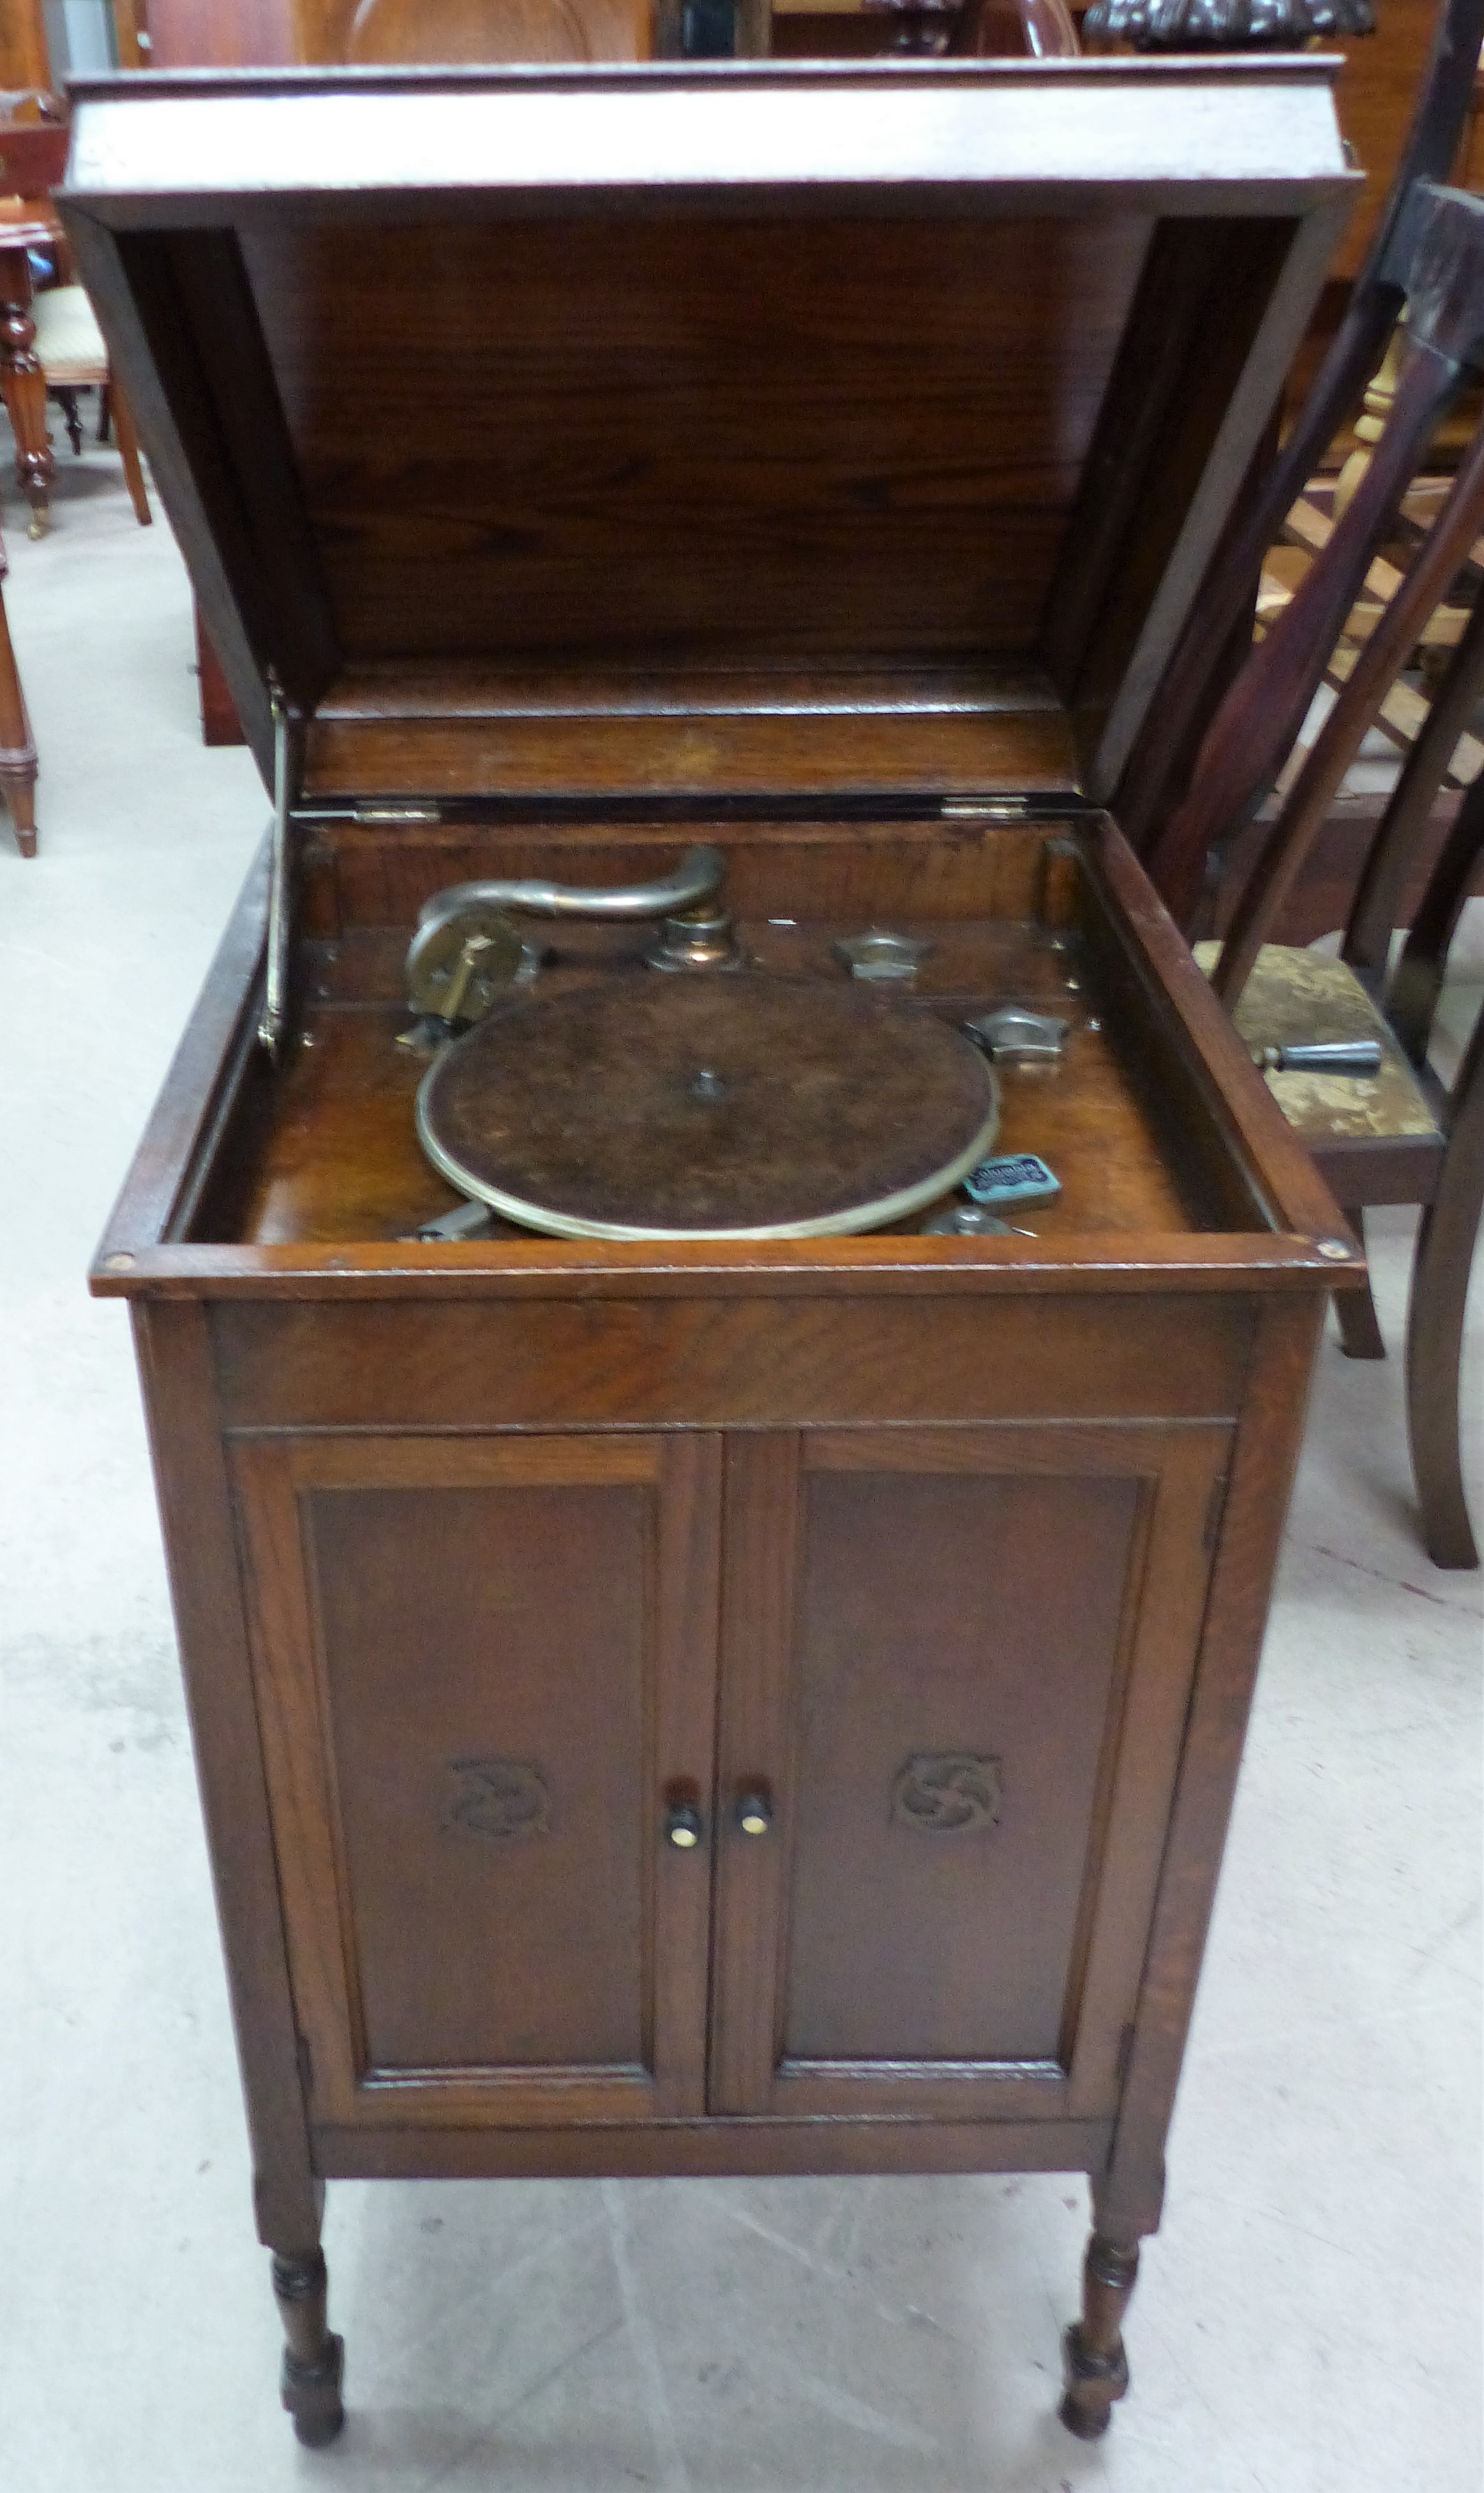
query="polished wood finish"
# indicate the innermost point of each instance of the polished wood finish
(1096, 2365)
(220, 722)
(25, 63)
(18, 750)
(896, 1502)
(313, 2358)
(1420, 1141)
(918, 1580)
(498, 30)
(1163, 761)
(203, 34)
(397, 1741)
(1435, 266)
(25, 225)
(818, 508)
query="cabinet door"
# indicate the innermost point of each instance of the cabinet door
(955, 1671)
(485, 1670)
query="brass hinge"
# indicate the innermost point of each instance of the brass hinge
(1216, 1507)
(984, 809)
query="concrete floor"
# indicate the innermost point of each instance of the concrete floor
(1307, 2321)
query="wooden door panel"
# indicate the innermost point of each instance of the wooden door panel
(488, 1665)
(957, 1639)
(938, 1715)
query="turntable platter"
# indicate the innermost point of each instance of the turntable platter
(700, 1107)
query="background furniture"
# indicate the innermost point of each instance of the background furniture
(49, 339)
(25, 225)
(18, 751)
(69, 347)
(1214, 643)
(1410, 1137)
(498, 30)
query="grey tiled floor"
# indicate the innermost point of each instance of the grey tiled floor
(1308, 2318)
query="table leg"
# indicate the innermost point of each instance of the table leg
(17, 753)
(23, 387)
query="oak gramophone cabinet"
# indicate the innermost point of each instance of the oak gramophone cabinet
(696, 1695)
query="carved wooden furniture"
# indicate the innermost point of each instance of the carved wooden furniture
(49, 340)
(1224, 25)
(1215, 640)
(33, 149)
(716, 1705)
(1407, 1138)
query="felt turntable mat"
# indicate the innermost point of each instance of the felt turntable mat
(707, 1105)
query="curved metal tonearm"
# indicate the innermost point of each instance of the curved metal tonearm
(698, 875)
(465, 948)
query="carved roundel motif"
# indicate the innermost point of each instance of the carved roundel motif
(497, 1796)
(945, 1792)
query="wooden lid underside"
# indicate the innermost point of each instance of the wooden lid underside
(695, 454)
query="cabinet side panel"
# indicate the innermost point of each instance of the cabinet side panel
(483, 1650)
(196, 1506)
(958, 1641)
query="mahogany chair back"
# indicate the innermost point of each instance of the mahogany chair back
(1410, 1136)
(472, 31)
(1163, 762)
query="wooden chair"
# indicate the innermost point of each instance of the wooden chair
(1161, 767)
(49, 341)
(1407, 1137)
(69, 347)
(499, 30)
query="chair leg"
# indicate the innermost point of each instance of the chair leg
(129, 452)
(1434, 1321)
(70, 418)
(1360, 1336)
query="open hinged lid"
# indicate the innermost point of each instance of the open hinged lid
(828, 435)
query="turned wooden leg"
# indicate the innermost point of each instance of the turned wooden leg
(1092, 2349)
(129, 453)
(1434, 1321)
(17, 753)
(68, 401)
(1360, 1335)
(313, 2358)
(24, 386)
